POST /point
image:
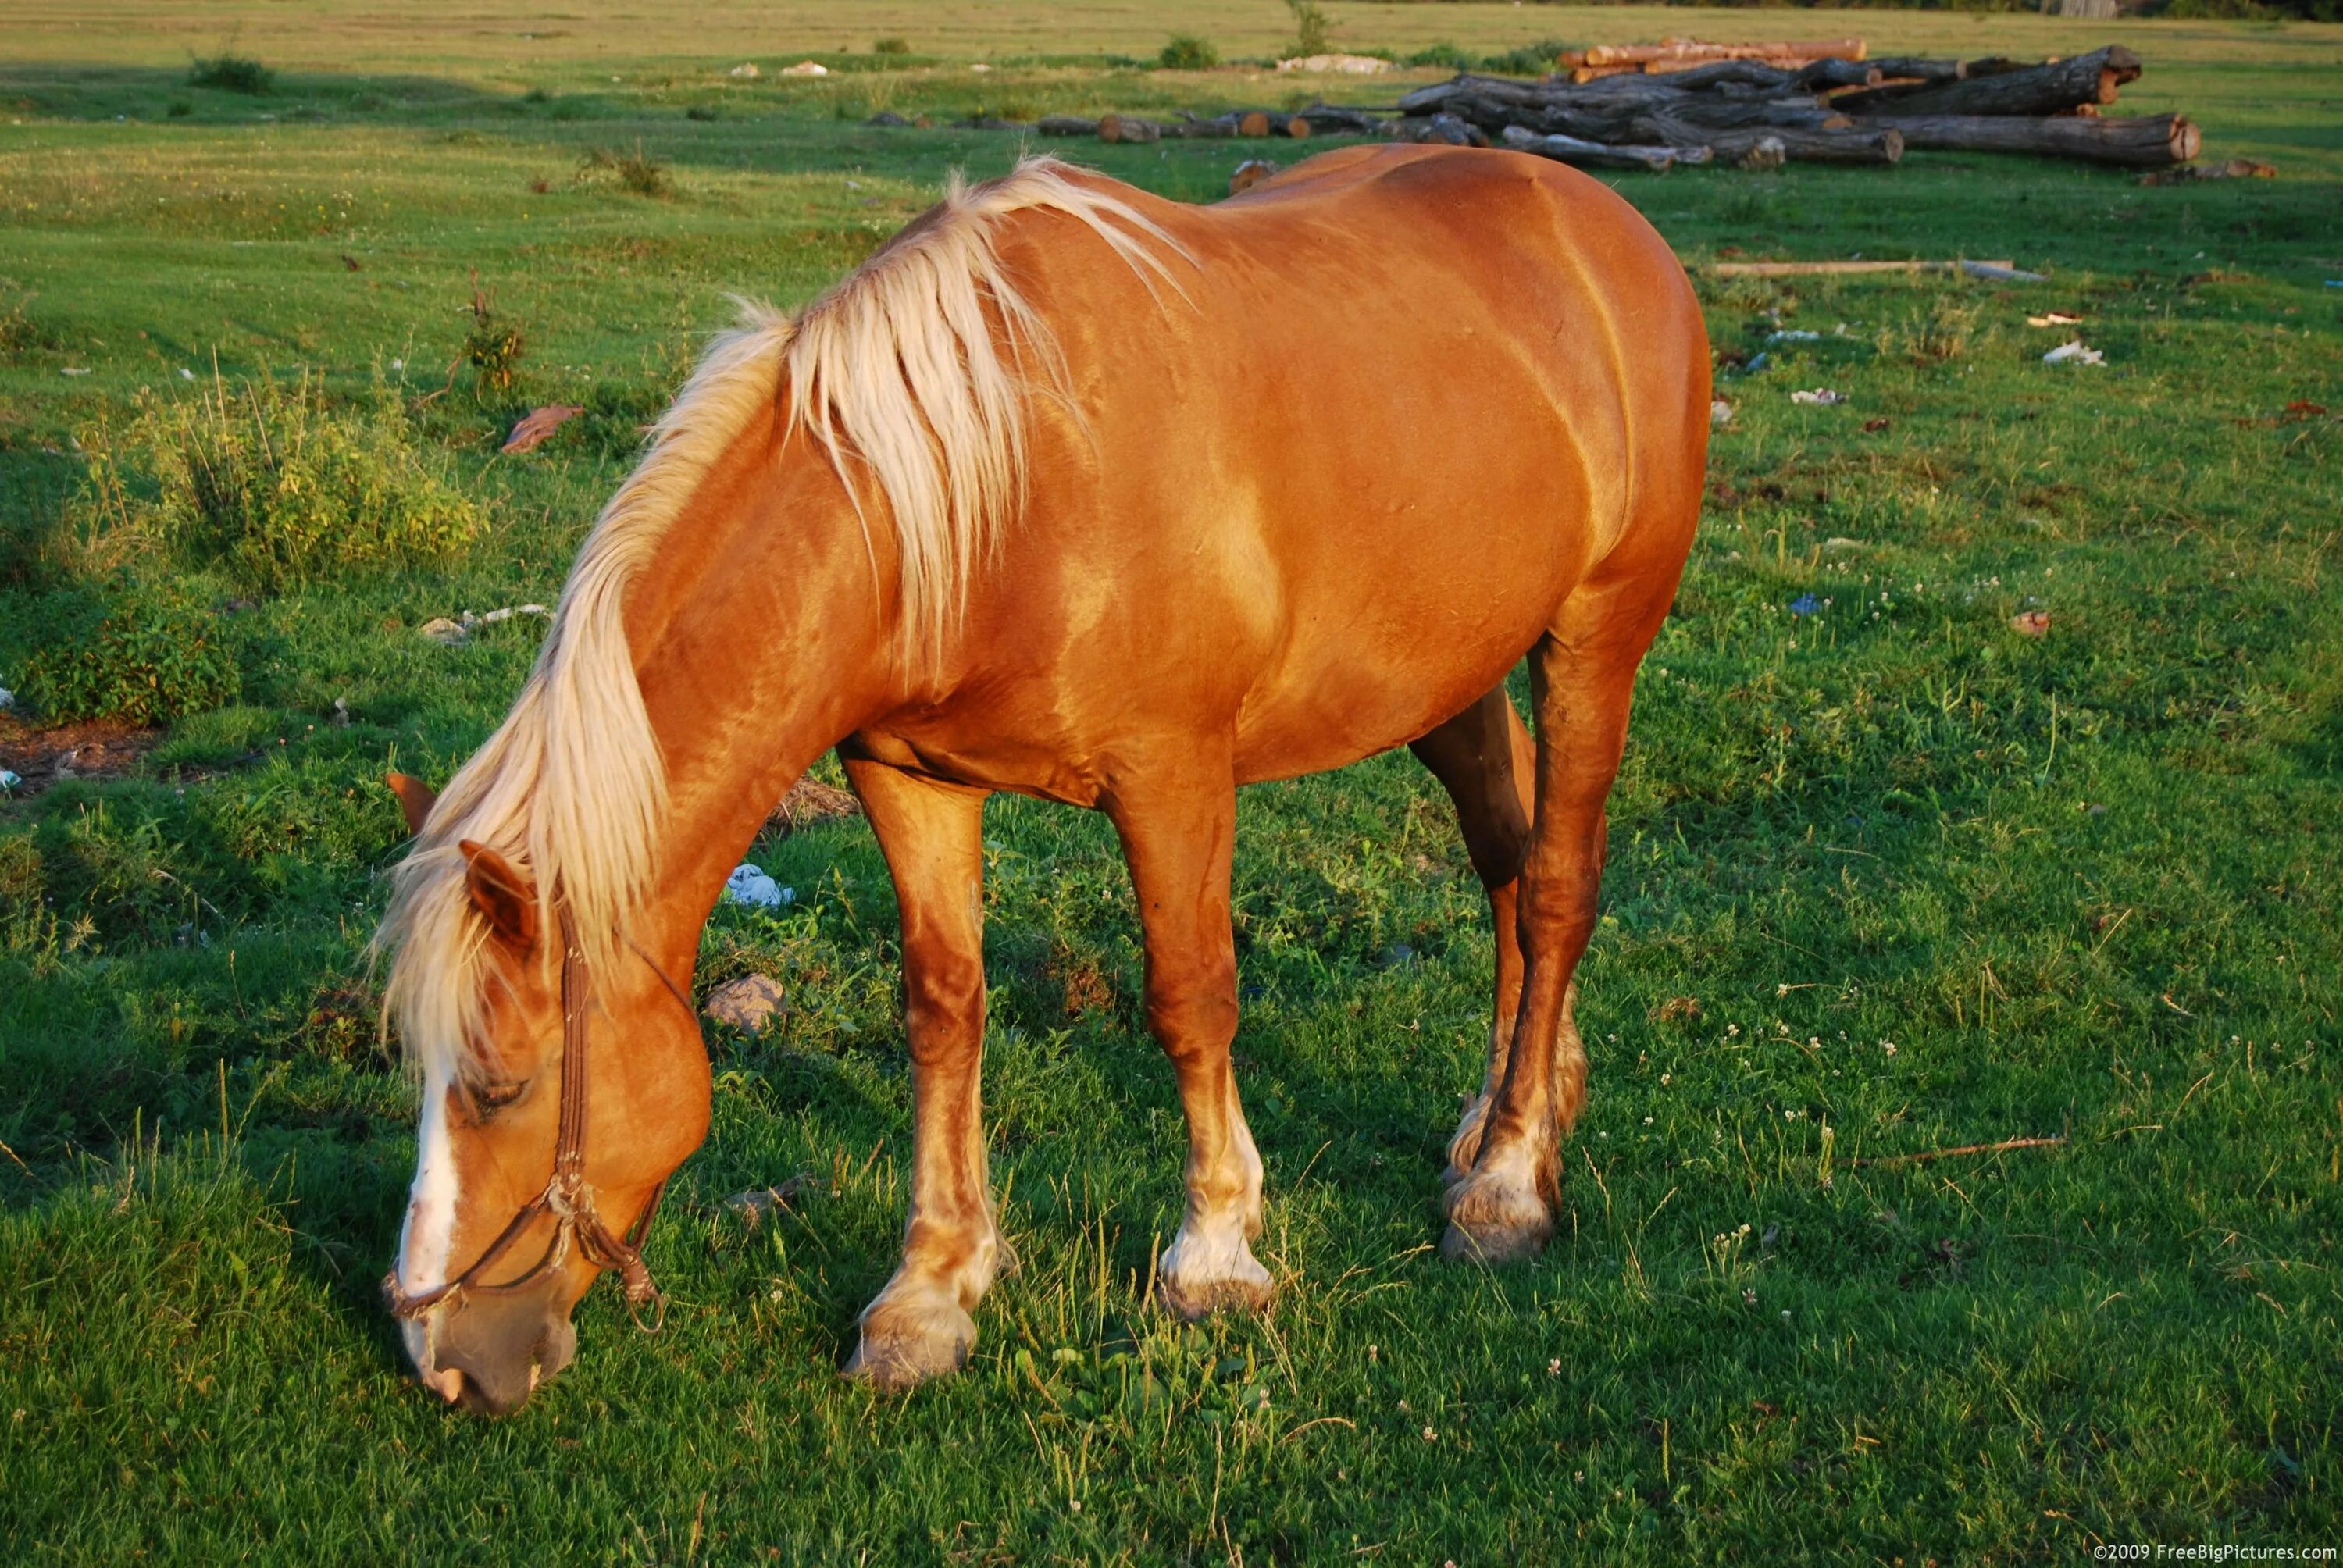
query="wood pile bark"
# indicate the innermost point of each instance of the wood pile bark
(1807, 103)
(1655, 105)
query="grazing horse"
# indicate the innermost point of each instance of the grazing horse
(1104, 499)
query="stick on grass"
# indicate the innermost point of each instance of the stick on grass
(2002, 1147)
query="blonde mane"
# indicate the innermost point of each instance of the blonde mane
(897, 375)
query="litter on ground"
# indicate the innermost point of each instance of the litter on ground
(1719, 413)
(806, 68)
(1821, 397)
(748, 885)
(535, 426)
(455, 633)
(2072, 352)
(2031, 622)
(2054, 318)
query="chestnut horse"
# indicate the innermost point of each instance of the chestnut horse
(1104, 499)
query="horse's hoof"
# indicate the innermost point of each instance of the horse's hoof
(904, 1346)
(1494, 1222)
(1193, 1288)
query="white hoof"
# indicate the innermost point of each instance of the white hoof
(906, 1343)
(1199, 1279)
(1496, 1216)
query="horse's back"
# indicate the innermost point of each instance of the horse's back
(1403, 402)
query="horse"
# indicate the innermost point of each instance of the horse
(1112, 501)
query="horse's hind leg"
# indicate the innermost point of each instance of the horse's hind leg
(932, 836)
(1486, 759)
(1178, 823)
(1582, 678)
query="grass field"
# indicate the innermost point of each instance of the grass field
(1886, 874)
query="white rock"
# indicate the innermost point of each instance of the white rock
(1336, 64)
(751, 1003)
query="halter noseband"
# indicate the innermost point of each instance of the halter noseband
(567, 1197)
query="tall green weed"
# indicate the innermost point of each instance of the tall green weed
(268, 481)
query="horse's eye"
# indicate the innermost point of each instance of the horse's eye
(492, 1097)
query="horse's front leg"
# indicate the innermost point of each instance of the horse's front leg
(932, 837)
(1178, 829)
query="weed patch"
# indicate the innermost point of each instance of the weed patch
(142, 653)
(269, 482)
(1187, 52)
(232, 73)
(636, 172)
(493, 345)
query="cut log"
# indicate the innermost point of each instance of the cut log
(1263, 123)
(1859, 144)
(1602, 154)
(1249, 174)
(1066, 125)
(1836, 73)
(1113, 127)
(2227, 170)
(1914, 69)
(1337, 120)
(1693, 51)
(1442, 130)
(1996, 271)
(1188, 125)
(2091, 78)
(2140, 141)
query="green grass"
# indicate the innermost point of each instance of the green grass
(2083, 884)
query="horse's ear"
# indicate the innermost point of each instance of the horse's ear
(501, 894)
(415, 798)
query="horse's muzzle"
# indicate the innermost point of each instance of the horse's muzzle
(489, 1352)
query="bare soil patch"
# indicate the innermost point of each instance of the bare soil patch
(41, 758)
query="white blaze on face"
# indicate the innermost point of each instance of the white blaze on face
(430, 1224)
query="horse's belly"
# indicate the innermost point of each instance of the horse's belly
(1362, 681)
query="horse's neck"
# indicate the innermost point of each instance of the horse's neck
(759, 642)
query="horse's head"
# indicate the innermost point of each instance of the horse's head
(541, 1157)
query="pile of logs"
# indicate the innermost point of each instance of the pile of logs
(1684, 54)
(1831, 108)
(1757, 105)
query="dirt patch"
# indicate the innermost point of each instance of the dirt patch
(45, 757)
(809, 802)
(1087, 990)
